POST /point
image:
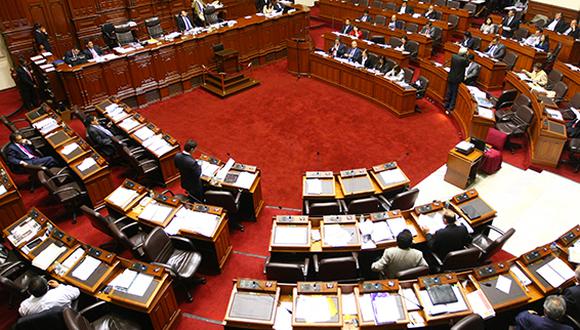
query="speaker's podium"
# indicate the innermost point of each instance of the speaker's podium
(462, 168)
(229, 78)
(298, 60)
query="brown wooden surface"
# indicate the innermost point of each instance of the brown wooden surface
(298, 52)
(395, 98)
(459, 167)
(425, 43)
(570, 77)
(11, 205)
(549, 10)
(395, 55)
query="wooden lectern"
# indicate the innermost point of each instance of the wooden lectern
(462, 169)
(228, 61)
(298, 50)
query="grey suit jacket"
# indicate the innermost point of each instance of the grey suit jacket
(472, 70)
(395, 259)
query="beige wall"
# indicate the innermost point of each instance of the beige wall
(569, 4)
(5, 78)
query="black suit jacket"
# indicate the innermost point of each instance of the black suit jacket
(499, 52)
(181, 23)
(14, 155)
(98, 136)
(23, 77)
(97, 49)
(457, 71)
(346, 29)
(340, 51)
(513, 25)
(572, 297)
(190, 172)
(451, 238)
(357, 54)
(41, 38)
(560, 26)
(574, 34)
(467, 43)
(79, 59)
(408, 10)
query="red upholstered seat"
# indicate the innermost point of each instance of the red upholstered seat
(492, 158)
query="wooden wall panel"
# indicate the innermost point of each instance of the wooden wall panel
(118, 79)
(548, 10)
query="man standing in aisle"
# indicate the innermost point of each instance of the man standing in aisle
(455, 77)
(190, 171)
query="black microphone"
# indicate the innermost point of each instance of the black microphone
(412, 302)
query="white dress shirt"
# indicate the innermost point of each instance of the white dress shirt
(552, 25)
(402, 10)
(60, 296)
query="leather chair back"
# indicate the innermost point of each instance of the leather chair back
(365, 34)
(521, 34)
(461, 259)
(380, 20)
(405, 200)
(441, 3)
(401, 24)
(339, 268)
(390, 6)
(498, 244)
(412, 273)
(223, 199)
(413, 48)
(553, 77)
(522, 100)
(412, 27)
(453, 20)
(49, 184)
(124, 34)
(476, 43)
(390, 63)
(364, 205)
(377, 4)
(75, 320)
(49, 319)
(510, 59)
(470, 322)
(437, 34)
(158, 246)
(453, 4)
(153, 25)
(424, 85)
(437, 15)
(470, 7)
(524, 114)
(324, 208)
(98, 221)
(561, 89)
(506, 96)
(120, 236)
(285, 272)
(409, 73)
(575, 101)
(364, 3)
(395, 42)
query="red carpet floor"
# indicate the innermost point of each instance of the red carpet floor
(285, 126)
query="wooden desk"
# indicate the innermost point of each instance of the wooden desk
(462, 169)
(11, 205)
(570, 77)
(215, 247)
(258, 296)
(570, 52)
(228, 61)
(425, 43)
(492, 73)
(401, 58)
(469, 205)
(169, 171)
(158, 301)
(395, 98)
(169, 68)
(532, 261)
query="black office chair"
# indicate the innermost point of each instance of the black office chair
(124, 34)
(510, 58)
(319, 209)
(404, 200)
(377, 4)
(144, 167)
(421, 90)
(70, 194)
(98, 316)
(409, 73)
(573, 160)
(560, 88)
(509, 108)
(14, 278)
(452, 21)
(49, 319)
(101, 223)
(508, 95)
(553, 77)
(229, 202)
(552, 57)
(365, 34)
(441, 3)
(453, 4)
(395, 42)
(154, 29)
(459, 260)
(412, 273)
(340, 269)
(476, 43)
(413, 48)
(521, 34)
(177, 254)
(517, 125)
(389, 64)
(469, 322)
(380, 20)
(390, 6)
(437, 37)
(412, 27)
(364, 205)
(471, 8)
(488, 246)
(286, 271)
(131, 236)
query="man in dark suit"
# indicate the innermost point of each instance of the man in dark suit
(190, 171)
(365, 60)
(41, 38)
(404, 9)
(572, 30)
(101, 136)
(20, 152)
(430, 13)
(338, 49)
(554, 310)
(354, 53)
(347, 27)
(93, 51)
(557, 24)
(74, 57)
(451, 238)
(184, 22)
(454, 78)
(495, 49)
(509, 24)
(472, 71)
(572, 297)
(366, 17)
(26, 84)
(467, 41)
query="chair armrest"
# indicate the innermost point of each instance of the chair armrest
(316, 264)
(123, 218)
(238, 197)
(265, 264)
(355, 256)
(573, 321)
(306, 207)
(58, 176)
(147, 162)
(342, 205)
(9, 267)
(63, 171)
(68, 189)
(172, 270)
(167, 191)
(34, 167)
(99, 208)
(437, 260)
(183, 240)
(129, 226)
(305, 267)
(497, 230)
(92, 307)
(384, 202)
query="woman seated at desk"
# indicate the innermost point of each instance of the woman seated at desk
(403, 45)
(488, 27)
(356, 32)
(538, 76)
(396, 74)
(382, 66)
(544, 43)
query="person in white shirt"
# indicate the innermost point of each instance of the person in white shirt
(399, 258)
(45, 295)
(396, 74)
(557, 24)
(534, 38)
(393, 22)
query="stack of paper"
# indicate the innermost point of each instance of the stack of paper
(48, 256)
(480, 304)
(208, 169)
(574, 253)
(412, 302)
(366, 308)
(245, 180)
(385, 308)
(157, 145)
(348, 304)
(313, 187)
(315, 308)
(86, 268)
(520, 275)
(2, 189)
(69, 148)
(554, 114)
(72, 259)
(128, 124)
(122, 50)
(221, 174)
(443, 308)
(336, 235)
(485, 113)
(391, 177)
(155, 212)
(122, 197)
(140, 284)
(433, 221)
(556, 272)
(24, 231)
(291, 235)
(123, 281)
(46, 125)
(381, 232)
(199, 222)
(144, 133)
(86, 164)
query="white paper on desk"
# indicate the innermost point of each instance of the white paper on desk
(381, 232)
(556, 272)
(124, 280)
(462, 221)
(315, 235)
(86, 268)
(397, 225)
(287, 235)
(503, 284)
(411, 300)
(69, 148)
(47, 54)
(111, 107)
(48, 256)
(554, 114)
(348, 304)
(2, 189)
(72, 259)
(144, 133)
(199, 222)
(485, 113)
(313, 187)
(520, 275)
(393, 176)
(24, 231)
(366, 307)
(283, 316)
(245, 180)
(335, 235)
(574, 253)
(208, 169)
(86, 164)
(366, 227)
(36, 58)
(385, 307)
(480, 304)
(433, 221)
(128, 124)
(122, 197)
(221, 174)
(314, 308)
(155, 212)
(140, 284)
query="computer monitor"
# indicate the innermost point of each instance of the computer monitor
(478, 143)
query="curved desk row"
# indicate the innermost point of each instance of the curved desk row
(425, 43)
(94, 270)
(90, 167)
(167, 68)
(11, 205)
(571, 76)
(393, 304)
(400, 57)
(397, 99)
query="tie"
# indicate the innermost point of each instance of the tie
(24, 150)
(94, 52)
(492, 50)
(187, 23)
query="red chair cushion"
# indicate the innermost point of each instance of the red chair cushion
(492, 160)
(496, 138)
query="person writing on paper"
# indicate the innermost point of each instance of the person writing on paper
(396, 74)
(93, 52)
(45, 295)
(21, 152)
(399, 258)
(538, 76)
(451, 238)
(102, 137)
(572, 296)
(554, 311)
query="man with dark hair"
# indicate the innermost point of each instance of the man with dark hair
(399, 258)
(26, 84)
(467, 41)
(554, 311)
(190, 171)
(495, 49)
(93, 51)
(21, 152)
(101, 136)
(451, 238)
(184, 21)
(41, 38)
(75, 57)
(472, 71)
(45, 295)
(509, 24)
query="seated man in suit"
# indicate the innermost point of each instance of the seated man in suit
(74, 57)
(554, 311)
(557, 24)
(430, 13)
(467, 41)
(427, 30)
(45, 295)
(572, 297)
(93, 51)
(21, 152)
(404, 9)
(572, 30)
(401, 257)
(509, 24)
(495, 50)
(533, 39)
(365, 60)
(347, 27)
(354, 53)
(184, 21)
(338, 49)
(394, 24)
(472, 71)
(190, 171)
(366, 17)
(101, 136)
(451, 238)
(382, 66)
